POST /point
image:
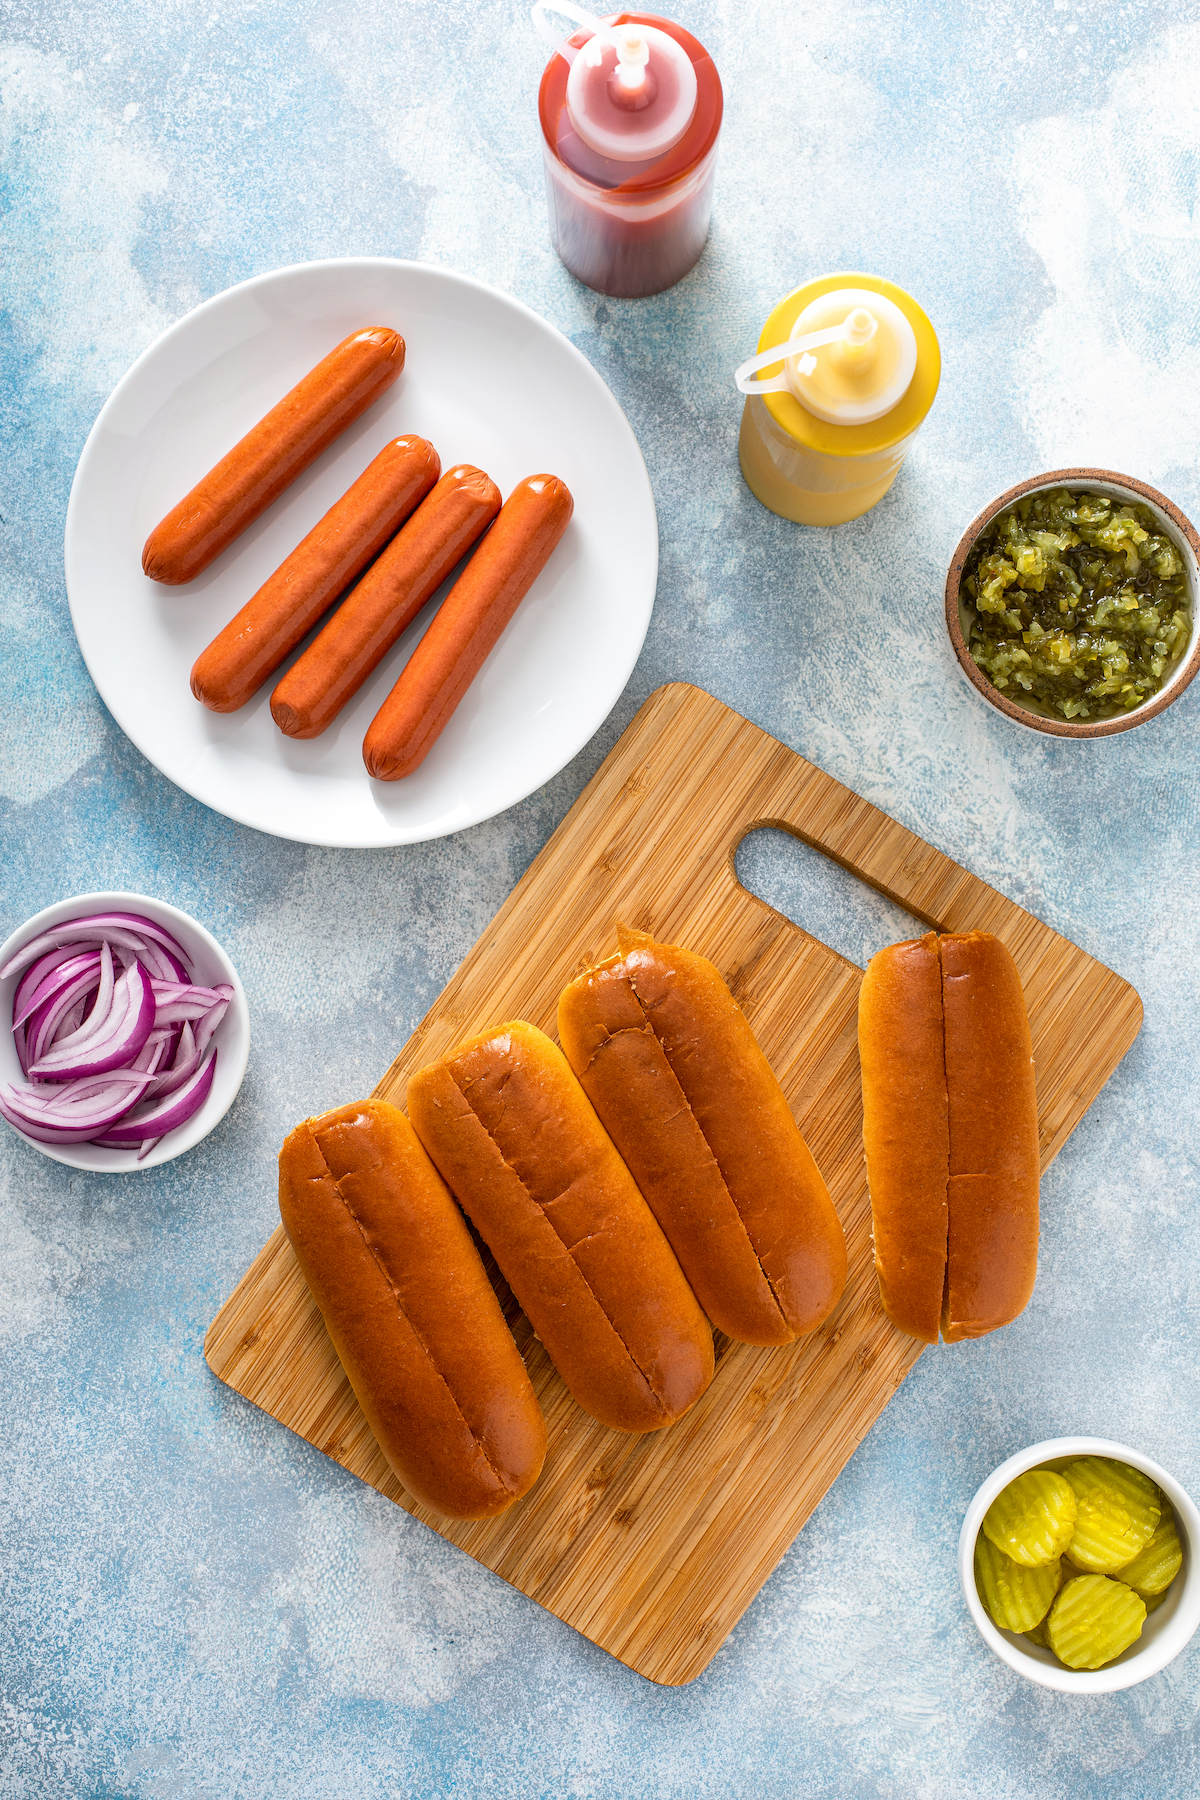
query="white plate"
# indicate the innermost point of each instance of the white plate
(487, 382)
(209, 964)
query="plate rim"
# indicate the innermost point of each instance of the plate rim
(291, 271)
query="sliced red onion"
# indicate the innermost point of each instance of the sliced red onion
(32, 989)
(143, 927)
(101, 1006)
(108, 1022)
(77, 1113)
(187, 1061)
(176, 1001)
(64, 1105)
(124, 929)
(171, 969)
(39, 971)
(207, 1023)
(48, 1022)
(72, 1020)
(37, 1035)
(167, 1114)
(174, 1033)
(159, 963)
(113, 1042)
(152, 1055)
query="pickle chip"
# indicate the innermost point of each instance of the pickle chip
(1153, 1601)
(1093, 1619)
(1032, 1519)
(1154, 1569)
(1016, 1596)
(1038, 1634)
(1118, 1511)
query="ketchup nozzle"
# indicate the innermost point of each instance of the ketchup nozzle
(631, 85)
(633, 53)
(631, 93)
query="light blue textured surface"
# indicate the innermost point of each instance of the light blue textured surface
(194, 1602)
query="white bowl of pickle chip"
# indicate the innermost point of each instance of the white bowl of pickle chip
(1083, 1550)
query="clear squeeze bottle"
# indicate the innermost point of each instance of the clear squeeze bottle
(846, 370)
(630, 109)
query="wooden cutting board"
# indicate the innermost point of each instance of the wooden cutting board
(654, 1546)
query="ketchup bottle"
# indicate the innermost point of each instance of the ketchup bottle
(630, 109)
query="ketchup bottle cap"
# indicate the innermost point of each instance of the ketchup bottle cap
(631, 92)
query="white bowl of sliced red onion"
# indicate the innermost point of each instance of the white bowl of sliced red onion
(124, 1032)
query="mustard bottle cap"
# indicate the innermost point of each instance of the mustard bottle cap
(850, 358)
(631, 92)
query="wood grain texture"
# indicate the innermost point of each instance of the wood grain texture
(654, 1546)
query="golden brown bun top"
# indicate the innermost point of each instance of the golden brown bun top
(739, 1106)
(391, 1263)
(994, 1150)
(901, 1047)
(950, 1106)
(519, 1090)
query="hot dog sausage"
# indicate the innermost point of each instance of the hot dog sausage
(272, 454)
(386, 600)
(290, 602)
(474, 613)
(416, 1323)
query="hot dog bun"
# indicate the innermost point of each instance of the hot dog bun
(675, 1073)
(905, 1130)
(951, 1135)
(994, 1161)
(272, 454)
(514, 1136)
(416, 1323)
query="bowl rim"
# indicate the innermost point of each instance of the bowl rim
(1135, 1665)
(1185, 670)
(233, 1033)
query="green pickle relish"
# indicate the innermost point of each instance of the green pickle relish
(1076, 604)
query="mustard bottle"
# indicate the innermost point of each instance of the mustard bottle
(846, 370)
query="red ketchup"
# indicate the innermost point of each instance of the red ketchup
(630, 108)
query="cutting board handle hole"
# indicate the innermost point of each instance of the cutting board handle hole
(820, 896)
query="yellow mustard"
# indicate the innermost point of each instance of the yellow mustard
(810, 449)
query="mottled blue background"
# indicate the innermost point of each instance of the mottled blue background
(196, 1603)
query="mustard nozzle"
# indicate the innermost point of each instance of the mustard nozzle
(855, 332)
(867, 372)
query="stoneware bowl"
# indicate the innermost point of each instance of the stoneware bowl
(1173, 525)
(1167, 1629)
(209, 965)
